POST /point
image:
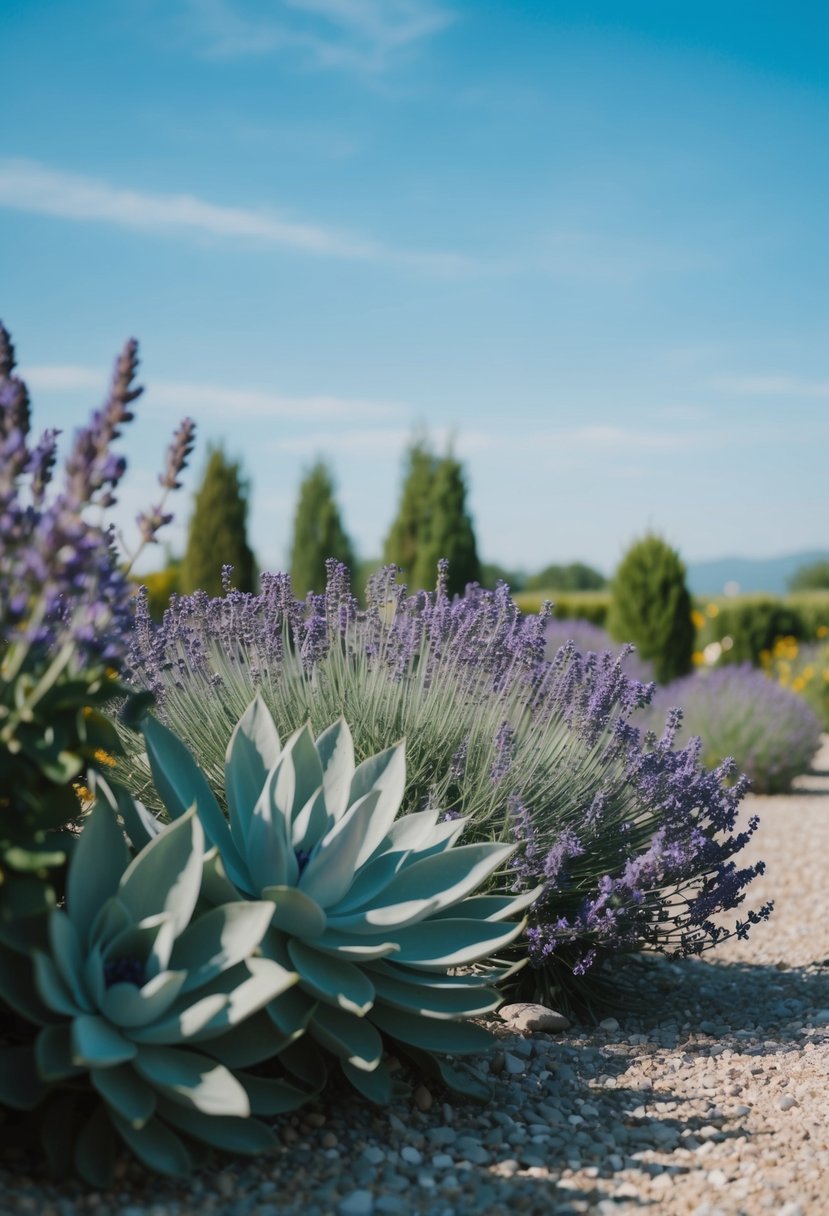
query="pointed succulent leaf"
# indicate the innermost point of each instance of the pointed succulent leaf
(269, 857)
(93, 972)
(310, 823)
(348, 1037)
(140, 941)
(386, 774)
(453, 1038)
(156, 1146)
(441, 838)
(291, 1012)
(305, 1062)
(193, 1080)
(128, 1006)
(426, 886)
(66, 953)
(166, 875)
(98, 862)
(490, 907)
(457, 1075)
(232, 1135)
(265, 982)
(354, 947)
(436, 945)
(295, 912)
(300, 776)
(218, 940)
(251, 1042)
(180, 784)
(332, 980)
(481, 977)
(140, 824)
(335, 748)
(112, 919)
(125, 1093)
(216, 887)
(410, 831)
(372, 878)
(442, 1004)
(51, 987)
(53, 1053)
(269, 1096)
(95, 1150)
(375, 1085)
(184, 1019)
(96, 1044)
(330, 871)
(252, 752)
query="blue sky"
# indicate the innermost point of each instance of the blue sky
(585, 241)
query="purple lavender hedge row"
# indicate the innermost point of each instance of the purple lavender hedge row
(633, 840)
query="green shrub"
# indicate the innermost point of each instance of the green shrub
(589, 606)
(804, 669)
(575, 577)
(748, 628)
(811, 578)
(651, 607)
(217, 534)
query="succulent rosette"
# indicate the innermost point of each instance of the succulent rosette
(136, 979)
(376, 913)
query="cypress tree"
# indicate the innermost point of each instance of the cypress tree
(651, 607)
(447, 532)
(218, 530)
(318, 532)
(407, 532)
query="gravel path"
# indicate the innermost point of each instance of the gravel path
(715, 1101)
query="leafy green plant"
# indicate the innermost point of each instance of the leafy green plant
(651, 607)
(318, 531)
(131, 988)
(374, 912)
(217, 533)
(747, 628)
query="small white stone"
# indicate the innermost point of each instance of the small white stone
(609, 1024)
(409, 1153)
(513, 1065)
(422, 1098)
(526, 1017)
(786, 1102)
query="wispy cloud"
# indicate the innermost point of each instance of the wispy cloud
(359, 35)
(211, 401)
(35, 188)
(774, 386)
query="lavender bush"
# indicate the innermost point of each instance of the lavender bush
(66, 609)
(771, 733)
(592, 639)
(633, 842)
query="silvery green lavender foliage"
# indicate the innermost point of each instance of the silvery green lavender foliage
(374, 912)
(632, 841)
(66, 611)
(772, 733)
(132, 989)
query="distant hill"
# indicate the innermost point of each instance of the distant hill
(769, 574)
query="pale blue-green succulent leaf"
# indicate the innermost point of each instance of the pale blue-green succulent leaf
(384, 773)
(141, 826)
(93, 971)
(51, 987)
(112, 919)
(96, 1044)
(375, 1085)
(335, 748)
(291, 1013)
(129, 1007)
(333, 980)
(97, 864)
(232, 1135)
(347, 1037)
(330, 870)
(149, 941)
(310, 823)
(300, 775)
(266, 981)
(157, 1146)
(442, 837)
(490, 907)
(216, 887)
(166, 875)
(269, 857)
(53, 1053)
(295, 912)
(193, 1080)
(125, 1093)
(180, 783)
(374, 876)
(183, 1020)
(269, 1096)
(305, 1063)
(453, 1038)
(410, 831)
(436, 945)
(253, 1041)
(218, 940)
(252, 752)
(355, 948)
(66, 954)
(441, 1004)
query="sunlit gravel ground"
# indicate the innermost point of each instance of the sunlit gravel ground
(714, 1100)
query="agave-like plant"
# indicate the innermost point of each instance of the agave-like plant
(375, 913)
(132, 984)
